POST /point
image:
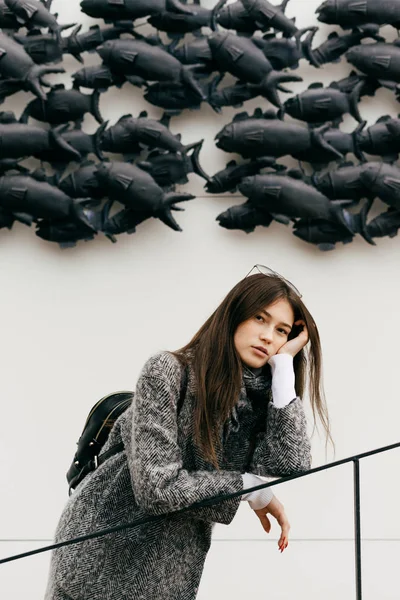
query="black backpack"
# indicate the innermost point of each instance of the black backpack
(96, 430)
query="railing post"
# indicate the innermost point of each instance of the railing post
(357, 527)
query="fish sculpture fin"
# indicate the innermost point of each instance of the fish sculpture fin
(255, 135)
(123, 180)
(95, 106)
(382, 61)
(272, 190)
(280, 218)
(326, 246)
(129, 56)
(18, 193)
(316, 85)
(359, 7)
(24, 218)
(242, 116)
(384, 118)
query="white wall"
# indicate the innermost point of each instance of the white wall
(80, 323)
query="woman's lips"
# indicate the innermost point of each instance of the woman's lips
(258, 351)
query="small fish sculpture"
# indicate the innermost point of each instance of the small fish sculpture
(290, 196)
(264, 134)
(31, 197)
(137, 190)
(83, 182)
(137, 57)
(245, 217)
(35, 14)
(16, 64)
(62, 106)
(352, 13)
(381, 61)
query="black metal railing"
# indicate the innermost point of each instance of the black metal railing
(215, 499)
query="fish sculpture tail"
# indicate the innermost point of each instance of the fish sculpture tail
(55, 136)
(34, 76)
(95, 108)
(165, 214)
(194, 159)
(189, 79)
(271, 83)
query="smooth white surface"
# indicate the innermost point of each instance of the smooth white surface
(80, 323)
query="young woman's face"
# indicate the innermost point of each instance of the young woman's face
(261, 336)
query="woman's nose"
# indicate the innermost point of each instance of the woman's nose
(267, 334)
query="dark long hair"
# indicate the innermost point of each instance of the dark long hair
(218, 368)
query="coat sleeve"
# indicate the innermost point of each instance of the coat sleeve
(283, 448)
(160, 483)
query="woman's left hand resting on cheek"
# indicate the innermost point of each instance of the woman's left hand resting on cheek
(293, 346)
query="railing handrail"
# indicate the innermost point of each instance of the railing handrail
(215, 499)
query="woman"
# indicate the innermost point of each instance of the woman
(240, 419)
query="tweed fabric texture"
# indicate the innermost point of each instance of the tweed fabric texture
(159, 471)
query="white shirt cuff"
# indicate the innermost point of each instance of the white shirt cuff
(259, 498)
(283, 390)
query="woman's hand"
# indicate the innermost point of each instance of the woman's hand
(275, 508)
(294, 345)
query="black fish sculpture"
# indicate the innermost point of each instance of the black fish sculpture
(245, 217)
(381, 61)
(240, 57)
(42, 48)
(130, 133)
(228, 179)
(168, 169)
(77, 43)
(325, 234)
(385, 224)
(83, 182)
(291, 197)
(62, 106)
(352, 13)
(19, 140)
(125, 221)
(130, 9)
(266, 15)
(138, 191)
(176, 97)
(16, 64)
(381, 139)
(235, 16)
(322, 233)
(230, 95)
(319, 104)
(264, 134)
(31, 197)
(383, 181)
(282, 52)
(97, 77)
(343, 183)
(64, 232)
(177, 24)
(195, 51)
(35, 14)
(335, 46)
(129, 57)
(81, 143)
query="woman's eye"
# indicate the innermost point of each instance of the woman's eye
(283, 331)
(259, 318)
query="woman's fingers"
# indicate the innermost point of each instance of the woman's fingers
(266, 523)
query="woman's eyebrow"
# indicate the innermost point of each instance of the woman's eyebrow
(281, 323)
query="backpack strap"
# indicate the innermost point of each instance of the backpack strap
(98, 460)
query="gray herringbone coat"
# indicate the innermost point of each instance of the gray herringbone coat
(160, 471)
